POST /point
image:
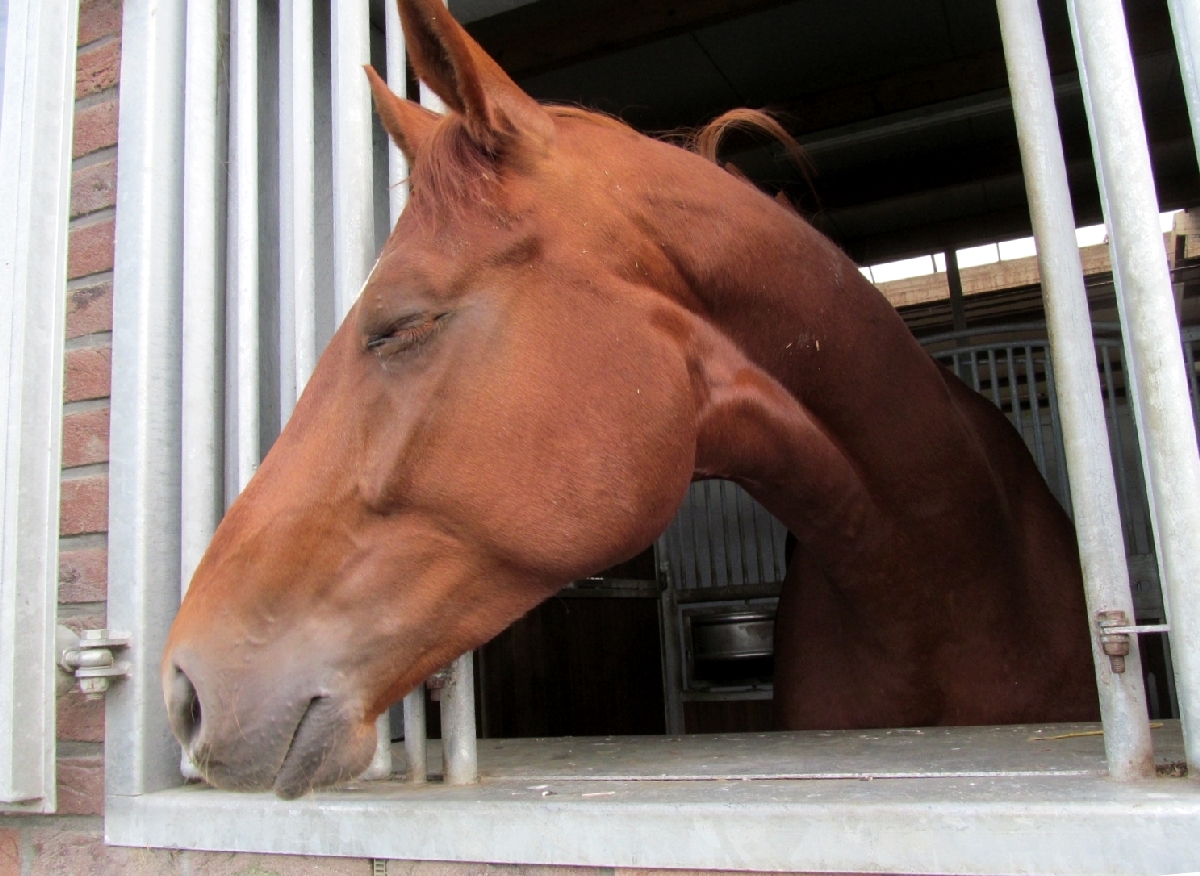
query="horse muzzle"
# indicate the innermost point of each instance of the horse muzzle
(290, 740)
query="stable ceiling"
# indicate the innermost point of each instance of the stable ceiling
(902, 104)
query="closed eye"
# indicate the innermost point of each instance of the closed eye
(407, 334)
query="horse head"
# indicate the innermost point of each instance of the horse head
(509, 406)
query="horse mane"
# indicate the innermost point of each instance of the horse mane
(452, 170)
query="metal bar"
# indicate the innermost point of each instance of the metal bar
(416, 750)
(1035, 411)
(1060, 463)
(1185, 21)
(297, 195)
(202, 497)
(144, 461)
(1127, 742)
(35, 191)
(1153, 358)
(397, 78)
(353, 214)
(243, 383)
(458, 723)
(954, 280)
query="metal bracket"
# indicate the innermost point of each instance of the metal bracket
(437, 683)
(90, 658)
(1115, 631)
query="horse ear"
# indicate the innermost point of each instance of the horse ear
(407, 123)
(462, 74)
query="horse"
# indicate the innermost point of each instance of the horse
(569, 323)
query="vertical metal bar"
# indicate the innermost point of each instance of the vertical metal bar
(1185, 21)
(1124, 497)
(1060, 463)
(415, 748)
(991, 358)
(458, 723)
(37, 99)
(1150, 328)
(397, 78)
(958, 310)
(1035, 412)
(144, 461)
(1106, 577)
(1014, 390)
(202, 495)
(297, 195)
(243, 385)
(353, 214)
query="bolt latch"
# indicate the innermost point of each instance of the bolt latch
(91, 659)
(437, 683)
(1115, 631)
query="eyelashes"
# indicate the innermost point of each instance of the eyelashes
(409, 333)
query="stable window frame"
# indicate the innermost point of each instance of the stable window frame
(949, 825)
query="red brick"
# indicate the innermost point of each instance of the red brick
(83, 853)
(94, 188)
(89, 309)
(81, 785)
(97, 19)
(10, 852)
(97, 69)
(89, 373)
(241, 864)
(78, 718)
(85, 438)
(84, 506)
(83, 575)
(95, 128)
(90, 248)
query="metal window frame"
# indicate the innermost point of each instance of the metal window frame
(980, 825)
(35, 187)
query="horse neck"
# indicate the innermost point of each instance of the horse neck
(798, 309)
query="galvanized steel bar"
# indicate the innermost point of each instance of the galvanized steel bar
(242, 333)
(203, 421)
(1150, 328)
(1128, 748)
(297, 196)
(1185, 21)
(35, 190)
(144, 461)
(397, 78)
(416, 750)
(458, 723)
(353, 214)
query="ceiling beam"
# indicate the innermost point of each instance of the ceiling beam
(550, 34)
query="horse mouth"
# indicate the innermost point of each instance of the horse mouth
(307, 762)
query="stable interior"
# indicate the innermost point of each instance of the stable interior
(905, 116)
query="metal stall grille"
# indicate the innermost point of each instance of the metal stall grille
(164, 422)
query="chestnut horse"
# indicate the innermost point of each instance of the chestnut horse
(569, 323)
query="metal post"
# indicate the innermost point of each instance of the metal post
(243, 242)
(415, 748)
(458, 723)
(1185, 21)
(353, 214)
(297, 196)
(1127, 741)
(36, 102)
(144, 465)
(958, 309)
(1154, 357)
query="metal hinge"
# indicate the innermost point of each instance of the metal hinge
(90, 657)
(1115, 631)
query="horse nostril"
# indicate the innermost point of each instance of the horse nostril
(184, 708)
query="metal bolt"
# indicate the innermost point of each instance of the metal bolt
(437, 683)
(1115, 645)
(93, 688)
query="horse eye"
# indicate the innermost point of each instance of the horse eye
(407, 334)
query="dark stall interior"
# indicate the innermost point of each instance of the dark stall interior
(903, 109)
